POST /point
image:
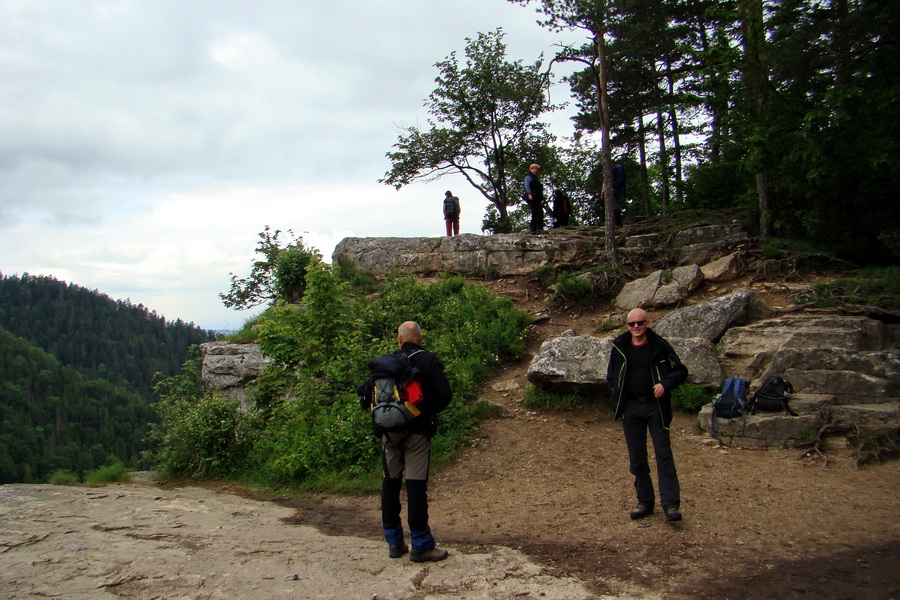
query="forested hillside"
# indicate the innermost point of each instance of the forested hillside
(76, 376)
(102, 338)
(52, 418)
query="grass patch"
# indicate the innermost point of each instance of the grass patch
(537, 398)
(870, 287)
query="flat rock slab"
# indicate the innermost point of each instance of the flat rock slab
(138, 540)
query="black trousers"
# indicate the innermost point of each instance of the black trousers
(637, 420)
(537, 217)
(409, 455)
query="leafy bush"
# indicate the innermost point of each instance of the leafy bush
(305, 426)
(547, 274)
(63, 477)
(688, 397)
(572, 288)
(115, 471)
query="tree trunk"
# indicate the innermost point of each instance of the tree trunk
(663, 161)
(642, 149)
(676, 138)
(756, 84)
(609, 242)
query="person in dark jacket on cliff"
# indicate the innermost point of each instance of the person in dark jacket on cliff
(409, 451)
(534, 198)
(643, 370)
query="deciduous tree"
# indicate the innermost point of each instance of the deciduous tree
(484, 124)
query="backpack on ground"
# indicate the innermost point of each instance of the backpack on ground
(392, 393)
(773, 396)
(731, 402)
(451, 207)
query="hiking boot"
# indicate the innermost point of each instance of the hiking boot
(398, 550)
(672, 514)
(433, 555)
(641, 511)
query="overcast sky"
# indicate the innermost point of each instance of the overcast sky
(144, 145)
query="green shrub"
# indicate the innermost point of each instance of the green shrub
(547, 274)
(63, 477)
(306, 428)
(537, 398)
(572, 288)
(115, 471)
(690, 398)
(203, 437)
(772, 252)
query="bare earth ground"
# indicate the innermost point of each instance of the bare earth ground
(758, 524)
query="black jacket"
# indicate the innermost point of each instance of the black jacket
(665, 368)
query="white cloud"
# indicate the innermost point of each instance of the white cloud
(144, 145)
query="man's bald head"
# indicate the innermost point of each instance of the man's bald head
(409, 331)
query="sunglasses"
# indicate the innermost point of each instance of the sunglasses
(636, 323)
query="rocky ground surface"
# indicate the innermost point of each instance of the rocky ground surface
(535, 508)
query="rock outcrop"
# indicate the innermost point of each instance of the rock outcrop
(230, 367)
(469, 254)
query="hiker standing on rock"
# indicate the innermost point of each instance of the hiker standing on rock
(410, 451)
(643, 370)
(534, 197)
(451, 213)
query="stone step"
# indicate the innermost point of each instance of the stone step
(865, 415)
(764, 430)
(746, 351)
(847, 387)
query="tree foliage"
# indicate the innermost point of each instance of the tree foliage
(788, 105)
(76, 377)
(485, 125)
(52, 418)
(279, 272)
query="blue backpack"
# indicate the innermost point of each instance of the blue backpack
(731, 402)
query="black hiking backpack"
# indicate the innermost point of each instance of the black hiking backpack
(450, 207)
(392, 393)
(731, 402)
(773, 396)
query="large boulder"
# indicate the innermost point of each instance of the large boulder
(659, 288)
(639, 293)
(698, 245)
(578, 362)
(571, 362)
(708, 320)
(727, 267)
(700, 357)
(772, 346)
(774, 430)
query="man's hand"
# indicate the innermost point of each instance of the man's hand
(659, 390)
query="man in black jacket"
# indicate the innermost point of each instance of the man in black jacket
(410, 451)
(643, 370)
(534, 197)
